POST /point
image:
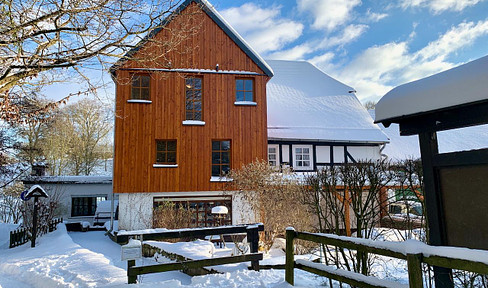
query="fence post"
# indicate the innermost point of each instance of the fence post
(11, 239)
(253, 239)
(414, 263)
(131, 279)
(290, 261)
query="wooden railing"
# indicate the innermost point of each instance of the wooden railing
(390, 249)
(252, 232)
(23, 235)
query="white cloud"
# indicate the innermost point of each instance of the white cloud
(296, 53)
(457, 37)
(328, 14)
(349, 34)
(262, 27)
(374, 17)
(376, 63)
(438, 6)
(379, 68)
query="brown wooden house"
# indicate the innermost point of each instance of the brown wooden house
(190, 105)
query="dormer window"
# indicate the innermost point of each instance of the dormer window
(140, 87)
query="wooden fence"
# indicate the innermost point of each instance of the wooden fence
(252, 232)
(414, 261)
(19, 237)
(23, 235)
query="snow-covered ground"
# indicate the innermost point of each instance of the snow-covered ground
(90, 259)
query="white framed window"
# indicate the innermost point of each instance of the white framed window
(274, 155)
(302, 157)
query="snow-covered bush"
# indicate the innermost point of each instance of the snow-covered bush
(275, 198)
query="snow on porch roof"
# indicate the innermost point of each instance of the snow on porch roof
(461, 85)
(304, 103)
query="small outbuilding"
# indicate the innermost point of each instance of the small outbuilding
(455, 183)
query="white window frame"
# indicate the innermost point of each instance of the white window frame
(277, 154)
(310, 157)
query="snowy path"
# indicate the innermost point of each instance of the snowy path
(58, 262)
(96, 241)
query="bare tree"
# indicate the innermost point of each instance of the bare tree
(348, 198)
(10, 203)
(370, 105)
(77, 139)
(48, 41)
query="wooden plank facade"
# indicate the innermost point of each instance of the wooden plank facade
(138, 125)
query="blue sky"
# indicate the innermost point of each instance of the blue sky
(372, 46)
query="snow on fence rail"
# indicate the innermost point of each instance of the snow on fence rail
(413, 251)
(158, 234)
(23, 235)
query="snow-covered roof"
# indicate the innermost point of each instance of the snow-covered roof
(464, 84)
(219, 20)
(69, 179)
(304, 103)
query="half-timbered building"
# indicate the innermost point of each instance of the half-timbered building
(315, 120)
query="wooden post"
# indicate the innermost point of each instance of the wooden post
(414, 263)
(290, 261)
(34, 223)
(253, 239)
(131, 279)
(432, 193)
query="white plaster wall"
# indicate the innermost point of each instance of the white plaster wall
(285, 150)
(364, 153)
(65, 191)
(339, 154)
(135, 211)
(323, 154)
(241, 210)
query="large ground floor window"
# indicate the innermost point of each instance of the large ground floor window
(201, 209)
(85, 206)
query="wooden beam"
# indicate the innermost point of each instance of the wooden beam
(437, 232)
(290, 252)
(414, 263)
(323, 239)
(345, 279)
(140, 270)
(193, 232)
(458, 264)
(445, 119)
(462, 158)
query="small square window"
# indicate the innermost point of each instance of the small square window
(166, 152)
(245, 90)
(302, 158)
(140, 87)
